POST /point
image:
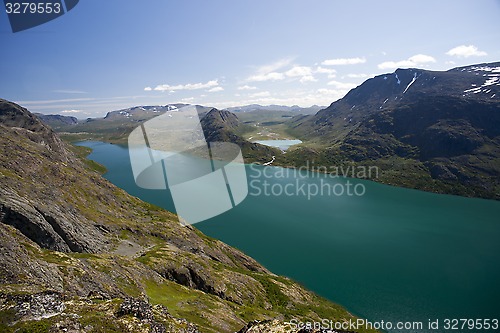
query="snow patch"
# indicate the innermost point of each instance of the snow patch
(491, 81)
(485, 69)
(409, 84)
(397, 78)
(472, 90)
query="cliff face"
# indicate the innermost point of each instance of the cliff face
(78, 254)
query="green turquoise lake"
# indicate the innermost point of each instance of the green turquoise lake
(388, 253)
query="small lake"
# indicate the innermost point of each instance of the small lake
(384, 253)
(281, 144)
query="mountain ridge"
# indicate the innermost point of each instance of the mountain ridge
(441, 128)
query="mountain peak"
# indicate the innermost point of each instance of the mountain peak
(13, 115)
(27, 124)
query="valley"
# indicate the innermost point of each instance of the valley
(424, 130)
(439, 143)
(250, 167)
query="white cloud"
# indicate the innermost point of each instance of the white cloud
(324, 70)
(326, 91)
(265, 69)
(327, 96)
(261, 94)
(330, 71)
(268, 72)
(304, 72)
(307, 78)
(465, 51)
(342, 85)
(71, 111)
(343, 61)
(189, 86)
(413, 61)
(273, 76)
(246, 87)
(421, 59)
(299, 71)
(216, 89)
(148, 89)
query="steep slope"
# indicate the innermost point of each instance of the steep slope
(78, 254)
(437, 131)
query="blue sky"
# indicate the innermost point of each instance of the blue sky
(110, 54)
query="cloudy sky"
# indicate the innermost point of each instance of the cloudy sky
(112, 54)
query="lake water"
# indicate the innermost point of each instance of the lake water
(281, 144)
(390, 254)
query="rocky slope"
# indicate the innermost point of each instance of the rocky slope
(78, 254)
(437, 131)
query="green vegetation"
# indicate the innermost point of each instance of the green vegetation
(273, 291)
(265, 125)
(82, 153)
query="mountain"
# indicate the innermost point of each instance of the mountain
(278, 108)
(218, 125)
(79, 254)
(116, 125)
(223, 126)
(437, 131)
(57, 121)
(140, 112)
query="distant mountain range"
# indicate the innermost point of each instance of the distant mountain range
(57, 121)
(437, 131)
(280, 108)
